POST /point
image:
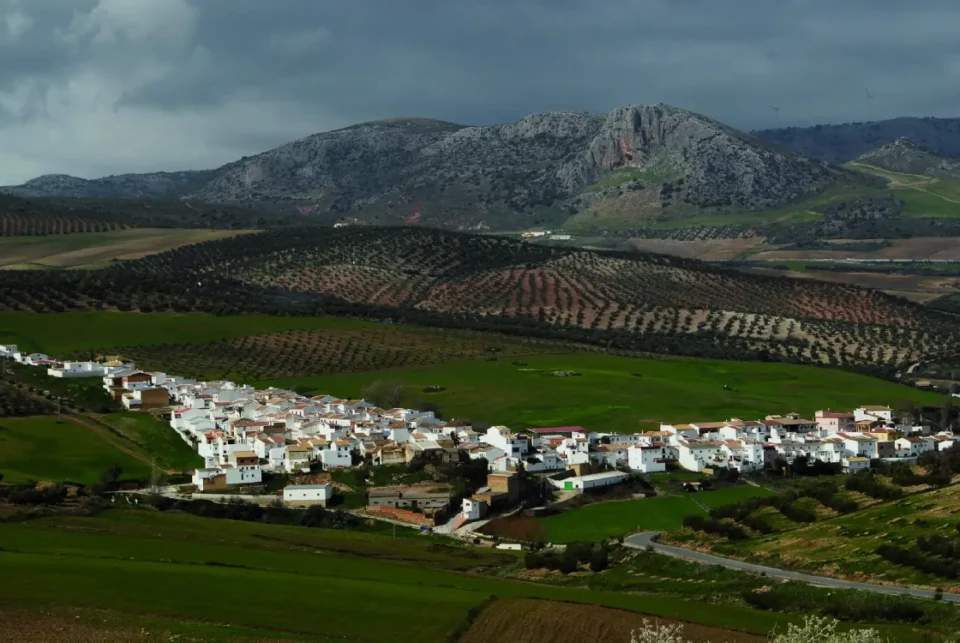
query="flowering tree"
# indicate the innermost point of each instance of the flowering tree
(813, 630)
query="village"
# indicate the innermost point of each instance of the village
(243, 433)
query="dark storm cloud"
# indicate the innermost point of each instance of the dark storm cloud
(102, 86)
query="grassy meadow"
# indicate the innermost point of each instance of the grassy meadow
(319, 585)
(156, 438)
(609, 396)
(61, 333)
(40, 448)
(602, 520)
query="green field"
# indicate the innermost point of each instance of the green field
(607, 397)
(62, 333)
(317, 585)
(156, 438)
(41, 449)
(602, 520)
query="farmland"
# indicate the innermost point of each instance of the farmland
(40, 448)
(161, 566)
(603, 520)
(347, 347)
(846, 546)
(97, 249)
(621, 393)
(624, 301)
(74, 332)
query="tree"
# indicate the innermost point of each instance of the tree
(386, 395)
(815, 629)
(599, 560)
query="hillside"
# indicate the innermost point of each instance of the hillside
(631, 165)
(906, 157)
(847, 141)
(632, 301)
(154, 185)
(20, 216)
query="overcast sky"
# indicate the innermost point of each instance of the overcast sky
(96, 87)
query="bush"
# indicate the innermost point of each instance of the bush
(599, 560)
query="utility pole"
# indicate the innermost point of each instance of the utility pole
(153, 474)
(58, 411)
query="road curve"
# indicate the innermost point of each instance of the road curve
(645, 540)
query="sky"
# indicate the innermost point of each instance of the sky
(98, 87)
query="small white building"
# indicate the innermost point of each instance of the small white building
(76, 369)
(592, 481)
(855, 463)
(304, 495)
(472, 509)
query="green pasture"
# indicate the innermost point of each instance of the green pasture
(156, 438)
(284, 581)
(40, 448)
(620, 393)
(602, 520)
(62, 333)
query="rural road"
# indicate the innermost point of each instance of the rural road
(644, 539)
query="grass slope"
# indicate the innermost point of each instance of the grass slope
(286, 581)
(62, 333)
(41, 449)
(604, 520)
(156, 438)
(607, 396)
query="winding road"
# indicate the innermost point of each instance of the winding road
(645, 540)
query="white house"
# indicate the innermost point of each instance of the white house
(472, 509)
(882, 413)
(307, 494)
(647, 459)
(76, 369)
(859, 445)
(696, 456)
(853, 464)
(914, 447)
(337, 455)
(513, 444)
(243, 468)
(8, 350)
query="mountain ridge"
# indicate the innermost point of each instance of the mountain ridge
(843, 142)
(650, 161)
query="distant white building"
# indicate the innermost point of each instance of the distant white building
(303, 495)
(592, 481)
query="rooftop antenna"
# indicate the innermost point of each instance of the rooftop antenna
(869, 101)
(776, 111)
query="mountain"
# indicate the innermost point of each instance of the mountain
(846, 142)
(657, 158)
(906, 157)
(634, 301)
(633, 164)
(155, 185)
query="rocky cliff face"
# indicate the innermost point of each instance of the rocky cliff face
(639, 160)
(905, 156)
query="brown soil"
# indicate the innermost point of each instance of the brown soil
(533, 621)
(708, 250)
(84, 627)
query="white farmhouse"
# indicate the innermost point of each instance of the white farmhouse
(305, 495)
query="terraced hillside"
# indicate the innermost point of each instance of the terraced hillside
(636, 301)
